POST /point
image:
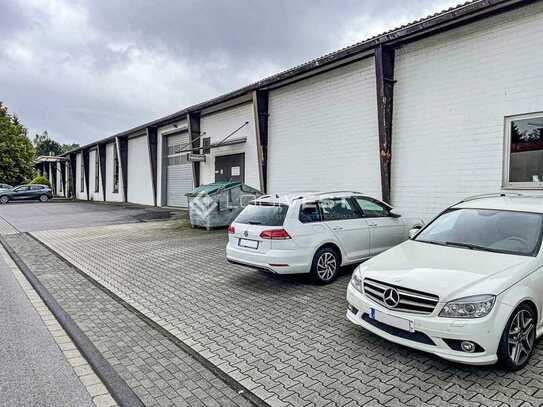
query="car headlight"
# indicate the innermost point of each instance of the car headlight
(476, 306)
(356, 279)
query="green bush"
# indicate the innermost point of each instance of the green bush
(41, 180)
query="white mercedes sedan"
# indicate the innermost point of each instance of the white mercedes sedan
(468, 287)
(314, 233)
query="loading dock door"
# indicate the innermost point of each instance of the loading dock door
(179, 171)
(230, 168)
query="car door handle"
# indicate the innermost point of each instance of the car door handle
(372, 225)
(337, 228)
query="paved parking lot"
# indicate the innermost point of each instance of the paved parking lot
(282, 338)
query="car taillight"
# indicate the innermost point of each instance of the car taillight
(275, 234)
(231, 230)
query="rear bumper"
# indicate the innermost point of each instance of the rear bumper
(291, 261)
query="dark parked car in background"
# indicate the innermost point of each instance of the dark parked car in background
(26, 193)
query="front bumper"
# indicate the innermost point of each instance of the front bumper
(486, 332)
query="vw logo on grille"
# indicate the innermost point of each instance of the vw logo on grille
(245, 233)
(391, 297)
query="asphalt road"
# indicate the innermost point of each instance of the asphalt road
(33, 370)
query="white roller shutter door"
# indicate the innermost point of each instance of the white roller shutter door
(179, 171)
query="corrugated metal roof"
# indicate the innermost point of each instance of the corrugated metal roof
(461, 14)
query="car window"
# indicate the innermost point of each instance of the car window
(487, 229)
(337, 209)
(309, 212)
(371, 208)
(36, 187)
(22, 188)
(263, 214)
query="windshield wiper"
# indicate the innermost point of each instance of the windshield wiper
(471, 246)
(254, 223)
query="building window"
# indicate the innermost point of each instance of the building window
(96, 172)
(523, 161)
(82, 170)
(115, 171)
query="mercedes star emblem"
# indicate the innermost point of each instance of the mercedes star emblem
(391, 297)
(245, 233)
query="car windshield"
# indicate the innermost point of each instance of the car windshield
(486, 229)
(267, 214)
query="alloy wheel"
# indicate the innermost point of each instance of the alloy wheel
(326, 266)
(521, 337)
(4, 200)
(44, 198)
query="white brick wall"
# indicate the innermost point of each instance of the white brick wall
(94, 196)
(452, 93)
(110, 196)
(217, 126)
(78, 193)
(323, 133)
(140, 188)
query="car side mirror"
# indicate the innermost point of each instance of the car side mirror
(395, 215)
(413, 231)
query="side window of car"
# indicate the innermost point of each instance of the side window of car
(371, 208)
(309, 212)
(36, 187)
(337, 209)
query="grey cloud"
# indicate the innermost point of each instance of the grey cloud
(86, 69)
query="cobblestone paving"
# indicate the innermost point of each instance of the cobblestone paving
(284, 339)
(156, 369)
(6, 228)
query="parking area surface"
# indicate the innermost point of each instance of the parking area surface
(284, 339)
(32, 216)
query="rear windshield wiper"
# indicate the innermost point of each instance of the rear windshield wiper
(254, 223)
(471, 246)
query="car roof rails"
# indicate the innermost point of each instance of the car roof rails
(491, 195)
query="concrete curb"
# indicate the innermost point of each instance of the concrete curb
(117, 387)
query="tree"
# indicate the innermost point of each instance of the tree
(69, 147)
(45, 145)
(16, 151)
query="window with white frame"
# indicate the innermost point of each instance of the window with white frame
(523, 161)
(115, 171)
(96, 172)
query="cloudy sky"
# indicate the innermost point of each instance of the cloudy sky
(86, 69)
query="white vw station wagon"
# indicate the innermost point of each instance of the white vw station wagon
(468, 287)
(313, 233)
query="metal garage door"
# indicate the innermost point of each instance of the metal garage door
(179, 171)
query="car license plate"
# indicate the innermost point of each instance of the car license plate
(250, 244)
(392, 320)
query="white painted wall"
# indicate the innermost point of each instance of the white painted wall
(94, 196)
(140, 187)
(78, 193)
(110, 195)
(323, 133)
(452, 93)
(59, 185)
(217, 126)
(161, 142)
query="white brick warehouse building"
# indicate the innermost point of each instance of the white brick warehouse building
(421, 116)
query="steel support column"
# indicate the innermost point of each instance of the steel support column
(73, 175)
(384, 73)
(193, 120)
(260, 106)
(122, 148)
(85, 157)
(152, 142)
(101, 150)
